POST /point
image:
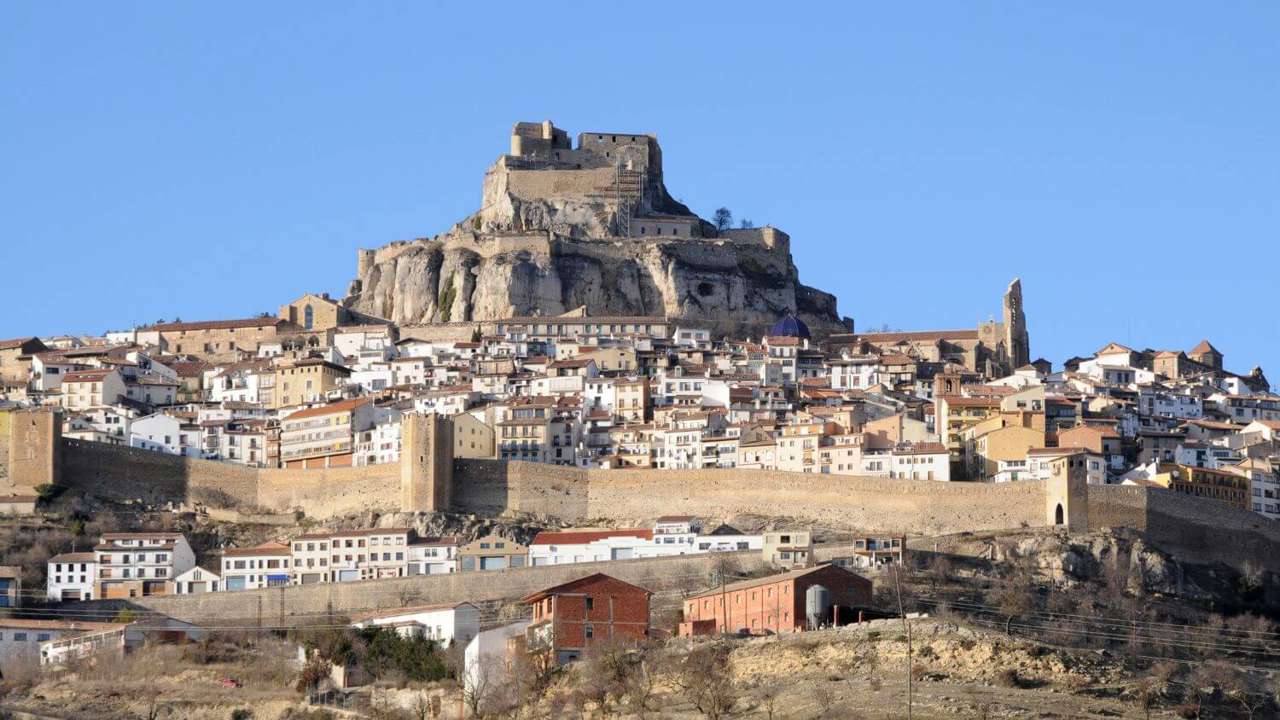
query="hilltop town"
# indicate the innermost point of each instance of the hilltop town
(585, 436)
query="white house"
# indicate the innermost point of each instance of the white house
(727, 538)
(920, 461)
(151, 389)
(240, 382)
(379, 444)
(48, 370)
(71, 576)
(599, 394)
(671, 535)
(359, 339)
(84, 389)
(410, 370)
(368, 554)
(680, 535)
(691, 337)
(159, 432)
(433, 556)
(851, 372)
(114, 639)
(195, 581)
(1039, 464)
(261, 566)
(373, 377)
(443, 624)
(20, 639)
(102, 639)
(120, 337)
(575, 546)
(141, 563)
(485, 659)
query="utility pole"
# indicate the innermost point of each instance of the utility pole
(897, 584)
(724, 607)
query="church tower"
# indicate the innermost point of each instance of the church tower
(1016, 342)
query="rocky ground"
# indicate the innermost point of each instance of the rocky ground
(957, 670)
(162, 682)
(851, 672)
(861, 671)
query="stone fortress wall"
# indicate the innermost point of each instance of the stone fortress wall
(430, 479)
(573, 495)
(124, 474)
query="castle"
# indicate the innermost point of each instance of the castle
(562, 226)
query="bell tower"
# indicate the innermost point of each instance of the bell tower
(1016, 342)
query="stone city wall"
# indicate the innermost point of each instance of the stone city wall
(573, 495)
(124, 474)
(296, 604)
(1207, 529)
(1200, 529)
(6, 419)
(495, 487)
(328, 492)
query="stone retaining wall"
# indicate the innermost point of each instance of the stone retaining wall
(297, 604)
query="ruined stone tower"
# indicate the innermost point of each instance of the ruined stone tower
(1017, 343)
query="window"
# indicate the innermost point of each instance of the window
(589, 631)
(591, 603)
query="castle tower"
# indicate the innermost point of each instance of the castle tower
(1066, 494)
(30, 450)
(426, 462)
(1016, 342)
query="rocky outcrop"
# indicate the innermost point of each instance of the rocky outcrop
(555, 236)
(439, 281)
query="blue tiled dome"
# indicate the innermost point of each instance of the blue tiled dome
(790, 326)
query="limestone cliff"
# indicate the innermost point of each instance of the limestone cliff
(561, 228)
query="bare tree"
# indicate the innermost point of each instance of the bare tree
(1211, 678)
(940, 570)
(425, 706)
(766, 696)
(1148, 688)
(824, 698)
(723, 219)
(151, 705)
(1145, 689)
(705, 680)
(603, 672)
(1016, 593)
(1234, 685)
(1254, 631)
(476, 682)
(642, 681)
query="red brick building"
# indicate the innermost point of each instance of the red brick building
(776, 603)
(568, 618)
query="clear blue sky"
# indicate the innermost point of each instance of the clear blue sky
(162, 160)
